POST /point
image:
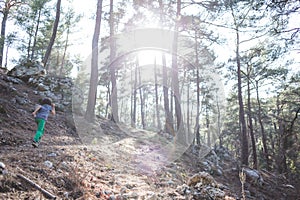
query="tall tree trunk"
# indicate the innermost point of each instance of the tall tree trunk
(188, 111)
(108, 100)
(3, 28)
(57, 63)
(64, 53)
(35, 34)
(242, 122)
(263, 134)
(197, 126)
(90, 110)
(243, 137)
(142, 100)
(168, 117)
(54, 31)
(168, 123)
(139, 88)
(29, 42)
(172, 108)
(175, 81)
(133, 96)
(112, 69)
(6, 56)
(156, 96)
(282, 140)
(250, 122)
(208, 127)
(133, 115)
(219, 122)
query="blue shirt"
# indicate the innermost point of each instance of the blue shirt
(43, 112)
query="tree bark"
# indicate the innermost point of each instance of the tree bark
(64, 53)
(175, 81)
(168, 123)
(108, 100)
(133, 116)
(188, 111)
(156, 97)
(3, 29)
(90, 110)
(112, 68)
(262, 129)
(142, 101)
(244, 138)
(197, 126)
(52, 39)
(168, 118)
(250, 122)
(35, 34)
(208, 127)
(219, 122)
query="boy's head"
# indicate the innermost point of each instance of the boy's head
(46, 101)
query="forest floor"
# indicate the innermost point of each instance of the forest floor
(117, 164)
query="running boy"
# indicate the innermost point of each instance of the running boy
(41, 114)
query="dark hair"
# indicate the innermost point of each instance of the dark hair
(46, 101)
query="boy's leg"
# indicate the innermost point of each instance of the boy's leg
(40, 130)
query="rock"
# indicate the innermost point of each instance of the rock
(209, 193)
(111, 197)
(151, 196)
(48, 164)
(58, 89)
(66, 195)
(170, 182)
(203, 178)
(207, 166)
(215, 193)
(12, 80)
(183, 189)
(130, 186)
(42, 87)
(27, 69)
(107, 192)
(131, 195)
(65, 165)
(2, 165)
(219, 171)
(254, 176)
(98, 194)
(21, 101)
(52, 154)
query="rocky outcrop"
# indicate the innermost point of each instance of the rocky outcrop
(59, 89)
(26, 70)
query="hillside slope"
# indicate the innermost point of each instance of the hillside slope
(118, 164)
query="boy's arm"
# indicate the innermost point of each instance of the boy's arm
(37, 109)
(53, 109)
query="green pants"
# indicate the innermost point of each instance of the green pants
(40, 129)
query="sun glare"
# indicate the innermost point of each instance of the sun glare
(148, 57)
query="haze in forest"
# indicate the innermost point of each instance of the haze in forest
(224, 74)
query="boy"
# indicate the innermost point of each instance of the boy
(41, 114)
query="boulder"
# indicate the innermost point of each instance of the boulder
(203, 178)
(59, 89)
(27, 69)
(253, 176)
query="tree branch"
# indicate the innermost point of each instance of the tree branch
(44, 192)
